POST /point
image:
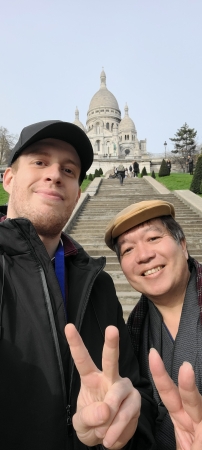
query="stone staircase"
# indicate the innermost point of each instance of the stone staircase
(91, 222)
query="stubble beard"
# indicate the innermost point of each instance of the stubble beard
(47, 224)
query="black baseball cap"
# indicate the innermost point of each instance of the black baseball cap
(56, 129)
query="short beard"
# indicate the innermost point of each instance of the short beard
(50, 225)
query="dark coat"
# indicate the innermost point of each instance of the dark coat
(38, 379)
(138, 325)
(136, 167)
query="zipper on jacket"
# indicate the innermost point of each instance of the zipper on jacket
(50, 314)
(69, 421)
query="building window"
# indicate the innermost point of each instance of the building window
(112, 126)
(107, 125)
(98, 145)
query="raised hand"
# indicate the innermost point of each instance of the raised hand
(184, 403)
(108, 406)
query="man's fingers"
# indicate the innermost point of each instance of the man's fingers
(123, 401)
(87, 419)
(93, 415)
(191, 398)
(80, 355)
(166, 388)
(125, 421)
(82, 359)
(110, 355)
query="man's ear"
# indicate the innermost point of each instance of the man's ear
(184, 247)
(7, 179)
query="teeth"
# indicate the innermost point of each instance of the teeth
(156, 269)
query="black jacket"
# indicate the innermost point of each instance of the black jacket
(37, 377)
(136, 167)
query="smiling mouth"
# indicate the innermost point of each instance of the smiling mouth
(50, 194)
(154, 270)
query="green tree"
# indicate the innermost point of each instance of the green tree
(197, 177)
(100, 171)
(153, 174)
(184, 144)
(90, 177)
(164, 170)
(144, 172)
(97, 173)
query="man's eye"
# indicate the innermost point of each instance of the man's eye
(126, 250)
(67, 170)
(39, 163)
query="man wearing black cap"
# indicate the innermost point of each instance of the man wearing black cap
(47, 280)
(152, 251)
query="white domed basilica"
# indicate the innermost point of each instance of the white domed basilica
(111, 136)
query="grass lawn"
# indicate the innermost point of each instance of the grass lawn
(3, 195)
(176, 181)
(85, 184)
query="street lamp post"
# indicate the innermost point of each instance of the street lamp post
(165, 144)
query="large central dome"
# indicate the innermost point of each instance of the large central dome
(103, 97)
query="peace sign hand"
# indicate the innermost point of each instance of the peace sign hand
(184, 403)
(108, 406)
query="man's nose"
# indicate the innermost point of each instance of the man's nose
(53, 172)
(144, 252)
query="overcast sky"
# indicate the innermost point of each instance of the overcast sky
(53, 51)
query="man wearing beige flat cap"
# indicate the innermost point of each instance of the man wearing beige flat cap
(151, 248)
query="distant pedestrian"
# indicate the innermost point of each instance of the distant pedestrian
(121, 173)
(135, 168)
(126, 172)
(130, 171)
(169, 165)
(190, 164)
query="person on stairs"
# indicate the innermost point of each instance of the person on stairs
(121, 173)
(48, 283)
(152, 251)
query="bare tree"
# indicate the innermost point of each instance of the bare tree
(7, 142)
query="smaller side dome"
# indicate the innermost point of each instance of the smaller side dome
(127, 123)
(77, 121)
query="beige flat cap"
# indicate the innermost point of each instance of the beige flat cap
(136, 214)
